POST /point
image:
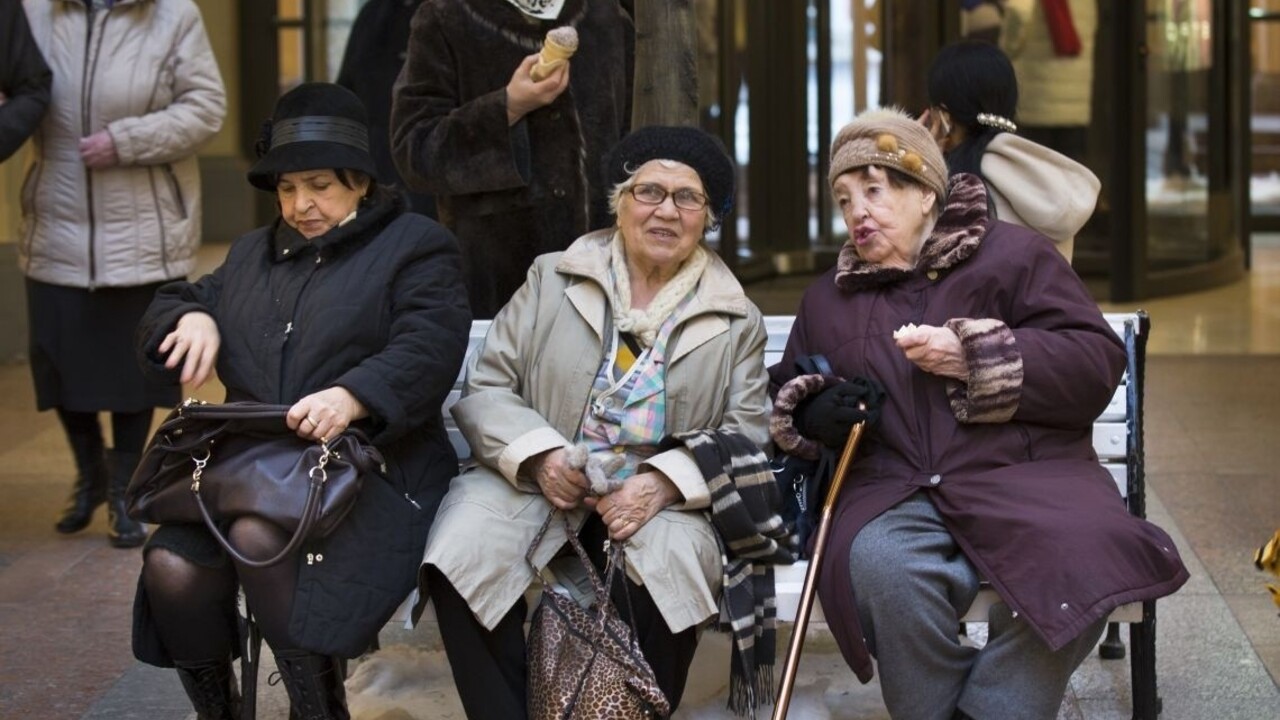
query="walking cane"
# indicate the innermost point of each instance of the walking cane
(811, 575)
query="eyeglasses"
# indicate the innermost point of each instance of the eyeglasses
(684, 198)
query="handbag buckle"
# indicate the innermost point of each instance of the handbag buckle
(195, 474)
(324, 460)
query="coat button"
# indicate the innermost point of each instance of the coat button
(935, 479)
(1065, 606)
(932, 274)
(558, 192)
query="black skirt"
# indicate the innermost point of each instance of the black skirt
(82, 349)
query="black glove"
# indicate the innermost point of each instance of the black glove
(830, 415)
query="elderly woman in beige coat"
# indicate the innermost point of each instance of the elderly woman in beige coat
(631, 334)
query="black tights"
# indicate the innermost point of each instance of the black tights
(194, 606)
(129, 430)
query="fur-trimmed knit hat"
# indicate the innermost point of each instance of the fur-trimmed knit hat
(889, 137)
(314, 126)
(696, 148)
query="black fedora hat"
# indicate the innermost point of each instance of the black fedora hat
(315, 125)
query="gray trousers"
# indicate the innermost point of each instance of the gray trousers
(912, 583)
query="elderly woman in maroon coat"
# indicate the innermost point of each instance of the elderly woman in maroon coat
(995, 362)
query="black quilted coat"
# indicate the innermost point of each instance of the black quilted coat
(377, 307)
(24, 79)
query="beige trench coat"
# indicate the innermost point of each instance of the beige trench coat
(526, 390)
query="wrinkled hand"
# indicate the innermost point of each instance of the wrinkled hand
(641, 497)
(561, 484)
(325, 414)
(935, 350)
(194, 344)
(830, 415)
(99, 151)
(524, 95)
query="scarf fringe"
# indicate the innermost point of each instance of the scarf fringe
(748, 693)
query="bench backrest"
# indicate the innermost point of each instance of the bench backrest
(1117, 433)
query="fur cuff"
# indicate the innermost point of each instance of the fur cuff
(782, 425)
(995, 372)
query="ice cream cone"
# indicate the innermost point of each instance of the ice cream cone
(560, 45)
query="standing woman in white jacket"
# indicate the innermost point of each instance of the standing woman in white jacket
(111, 210)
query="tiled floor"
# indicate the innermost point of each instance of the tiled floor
(1213, 415)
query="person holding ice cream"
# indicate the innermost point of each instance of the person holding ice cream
(509, 136)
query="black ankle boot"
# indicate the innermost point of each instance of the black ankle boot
(315, 685)
(124, 531)
(211, 687)
(90, 489)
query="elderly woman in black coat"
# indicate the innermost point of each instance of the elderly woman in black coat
(995, 362)
(351, 310)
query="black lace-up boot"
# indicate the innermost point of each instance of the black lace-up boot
(315, 685)
(124, 531)
(211, 687)
(90, 489)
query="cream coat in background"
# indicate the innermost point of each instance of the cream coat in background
(143, 70)
(1053, 91)
(1039, 188)
(526, 390)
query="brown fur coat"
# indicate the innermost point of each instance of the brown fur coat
(510, 193)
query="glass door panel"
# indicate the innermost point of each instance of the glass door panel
(1179, 135)
(1264, 183)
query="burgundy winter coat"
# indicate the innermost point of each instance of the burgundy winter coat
(1007, 458)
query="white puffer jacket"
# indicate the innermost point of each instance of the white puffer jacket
(143, 70)
(1052, 90)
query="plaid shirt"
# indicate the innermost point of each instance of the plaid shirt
(627, 412)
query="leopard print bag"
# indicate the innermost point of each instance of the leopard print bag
(585, 663)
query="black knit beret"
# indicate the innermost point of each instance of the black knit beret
(696, 148)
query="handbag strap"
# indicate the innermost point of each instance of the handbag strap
(310, 511)
(600, 585)
(597, 584)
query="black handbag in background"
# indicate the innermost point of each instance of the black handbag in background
(803, 482)
(214, 463)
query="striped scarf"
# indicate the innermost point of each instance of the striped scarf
(746, 513)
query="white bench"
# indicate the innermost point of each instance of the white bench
(1117, 439)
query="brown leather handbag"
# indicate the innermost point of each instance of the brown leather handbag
(585, 664)
(214, 463)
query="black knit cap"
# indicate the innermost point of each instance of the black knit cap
(314, 126)
(696, 148)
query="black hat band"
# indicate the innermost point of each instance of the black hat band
(320, 128)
